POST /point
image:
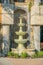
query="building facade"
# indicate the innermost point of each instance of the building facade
(10, 11)
(37, 23)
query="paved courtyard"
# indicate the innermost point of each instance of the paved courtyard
(5, 61)
(10, 61)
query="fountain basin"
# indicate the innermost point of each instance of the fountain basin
(20, 41)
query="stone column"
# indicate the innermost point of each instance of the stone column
(6, 41)
(36, 2)
(37, 37)
(28, 28)
(28, 24)
(32, 37)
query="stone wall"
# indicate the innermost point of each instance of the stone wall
(0, 13)
(32, 46)
(7, 14)
(37, 37)
(37, 15)
(6, 19)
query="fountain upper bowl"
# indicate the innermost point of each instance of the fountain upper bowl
(20, 33)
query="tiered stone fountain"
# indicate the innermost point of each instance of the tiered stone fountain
(20, 33)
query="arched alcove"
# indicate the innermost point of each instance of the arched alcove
(15, 27)
(17, 14)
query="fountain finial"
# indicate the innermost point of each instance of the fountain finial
(21, 24)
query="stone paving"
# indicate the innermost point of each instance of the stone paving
(37, 61)
(5, 61)
(0, 63)
(12, 61)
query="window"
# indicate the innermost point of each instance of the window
(1, 1)
(41, 33)
(41, 38)
(41, 2)
(19, 0)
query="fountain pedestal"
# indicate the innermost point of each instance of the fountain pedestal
(20, 33)
(20, 46)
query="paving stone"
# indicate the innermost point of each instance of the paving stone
(5, 61)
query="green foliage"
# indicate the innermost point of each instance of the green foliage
(24, 55)
(34, 56)
(10, 54)
(38, 54)
(16, 55)
(30, 5)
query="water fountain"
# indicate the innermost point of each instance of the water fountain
(20, 33)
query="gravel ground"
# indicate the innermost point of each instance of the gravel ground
(12, 61)
(5, 61)
(0, 63)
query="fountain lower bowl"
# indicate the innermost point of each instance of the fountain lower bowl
(20, 41)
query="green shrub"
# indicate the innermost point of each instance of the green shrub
(16, 55)
(36, 51)
(24, 55)
(10, 54)
(34, 56)
(38, 54)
